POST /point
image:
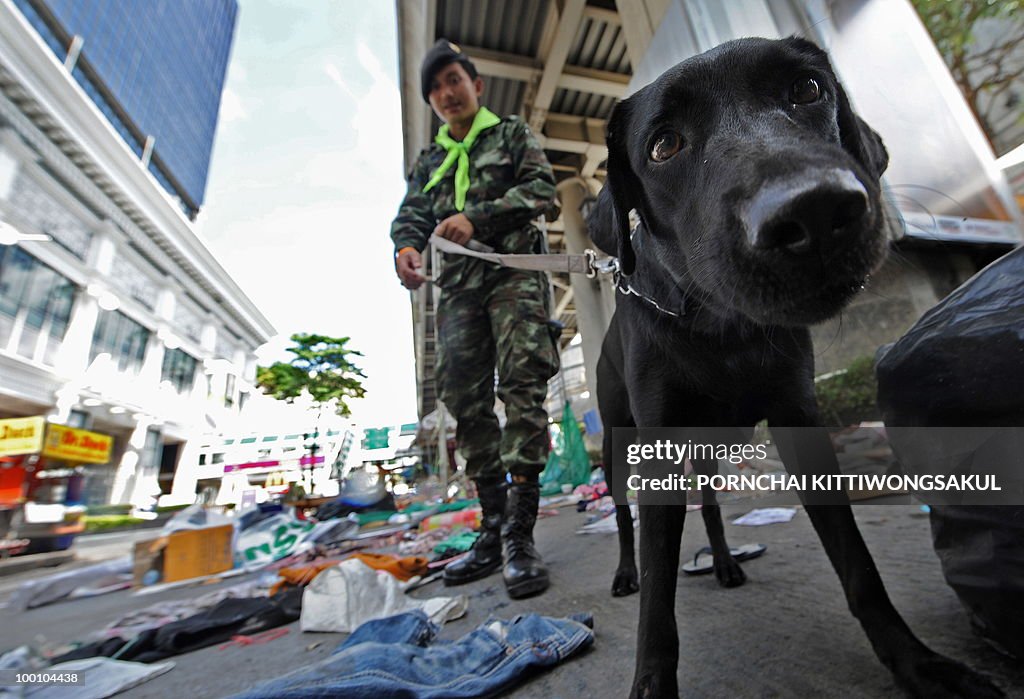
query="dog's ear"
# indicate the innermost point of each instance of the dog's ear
(601, 224)
(620, 191)
(859, 139)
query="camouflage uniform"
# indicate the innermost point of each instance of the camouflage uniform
(489, 315)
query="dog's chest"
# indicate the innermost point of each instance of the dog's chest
(731, 368)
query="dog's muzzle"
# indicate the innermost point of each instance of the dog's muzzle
(800, 213)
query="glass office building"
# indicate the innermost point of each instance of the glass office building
(155, 68)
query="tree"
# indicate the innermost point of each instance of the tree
(987, 71)
(321, 368)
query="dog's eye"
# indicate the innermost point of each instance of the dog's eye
(804, 91)
(665, 145)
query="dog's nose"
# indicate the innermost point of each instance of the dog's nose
(798, 213)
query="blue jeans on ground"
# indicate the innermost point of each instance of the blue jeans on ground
(399, 657)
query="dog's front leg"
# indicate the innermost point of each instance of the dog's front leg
(917, 669)
(625, 582)
(661, 531)
(727, 571)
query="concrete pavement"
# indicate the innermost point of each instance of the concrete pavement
(786, 633)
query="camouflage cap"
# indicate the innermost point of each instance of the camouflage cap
(441, 54)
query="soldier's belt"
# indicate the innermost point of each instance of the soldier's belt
(586, 263)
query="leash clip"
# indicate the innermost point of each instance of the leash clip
(606, 265)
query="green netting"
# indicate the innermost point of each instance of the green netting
(568, 462)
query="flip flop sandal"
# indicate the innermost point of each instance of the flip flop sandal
(704, 562)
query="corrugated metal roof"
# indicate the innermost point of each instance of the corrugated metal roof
(601, 45)
(511, 26)
(504, 96)
(585, 104)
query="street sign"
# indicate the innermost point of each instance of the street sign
(376, 438)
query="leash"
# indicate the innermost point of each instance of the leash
(586, 263)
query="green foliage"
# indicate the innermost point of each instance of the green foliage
(850, 396)
(108, 510)
(98, 523)
(171, 508)
(984, 73)
(320, 367)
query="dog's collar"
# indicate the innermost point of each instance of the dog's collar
(623, 286)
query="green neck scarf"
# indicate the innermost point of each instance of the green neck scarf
(459, 150)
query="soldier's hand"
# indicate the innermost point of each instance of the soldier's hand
(408, 267)
(457, 229)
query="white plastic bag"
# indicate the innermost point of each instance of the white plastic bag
(345, 596)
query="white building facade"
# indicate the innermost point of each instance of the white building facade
(123, 323)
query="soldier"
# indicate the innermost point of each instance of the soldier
(486, 179)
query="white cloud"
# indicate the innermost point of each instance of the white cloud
(357, 172)
(231, 107)
(334, 74)
(236, 72)
(303, 190)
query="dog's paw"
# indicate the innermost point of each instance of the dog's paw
(625, 583)
(729, 572)
(655, 686)
(937, 677)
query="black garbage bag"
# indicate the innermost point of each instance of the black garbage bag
(962, 365)
(981, 548)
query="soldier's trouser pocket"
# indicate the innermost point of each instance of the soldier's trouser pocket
(527, 351)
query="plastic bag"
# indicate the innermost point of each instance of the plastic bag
(196, 517)
(343, 597)
(962, 364)
(271, 539)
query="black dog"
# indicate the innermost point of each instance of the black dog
(757, 188)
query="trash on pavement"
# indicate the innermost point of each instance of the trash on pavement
(41, 591)
(196, 517)
(704, 561)
(225, 619)
(301, 575)
(256, 639)
(156, 615)
(495, 656)
(568, 462)
(184, 554)
(462, 518)
(342, 597)
(403, 568)
(607, 523)
(272, 538)
(458, 542)
(98, 678)
(22, 659)
(766, 515)
(960, 364)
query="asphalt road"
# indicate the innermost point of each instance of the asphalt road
(88, 550)
(786, 633)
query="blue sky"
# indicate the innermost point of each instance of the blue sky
(306, 176)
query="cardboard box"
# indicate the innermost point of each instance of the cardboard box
(186, 554)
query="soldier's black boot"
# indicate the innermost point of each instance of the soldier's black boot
(525, 573)
(485, 556)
